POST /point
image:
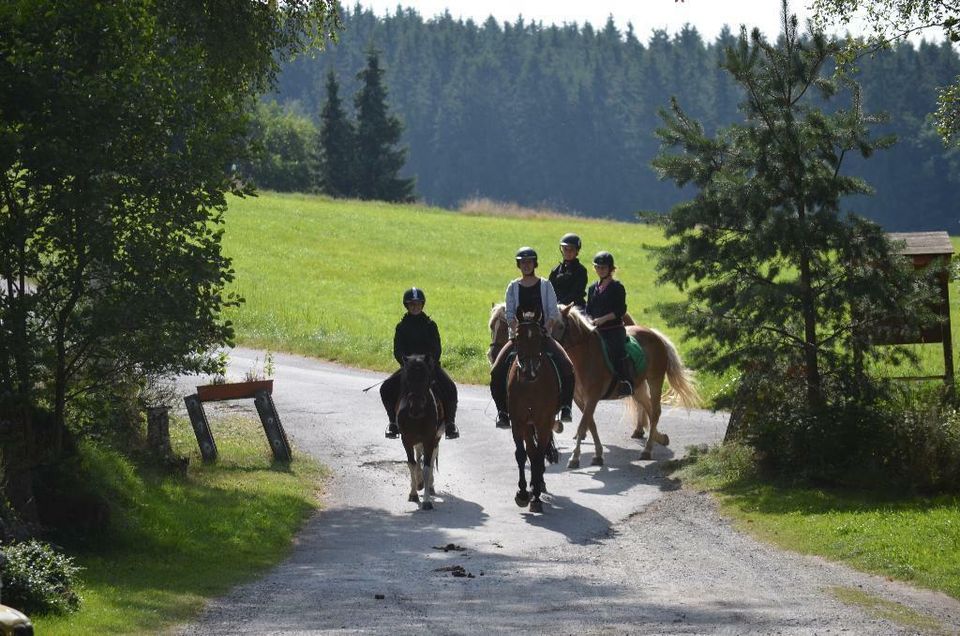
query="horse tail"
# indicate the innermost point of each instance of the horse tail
(683, 390)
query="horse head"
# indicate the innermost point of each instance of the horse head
(575, 326)
(415, 378)
(529, 342)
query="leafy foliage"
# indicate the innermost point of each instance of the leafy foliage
(38, 579)
(283, 147)
(775, 273)
(118, 123)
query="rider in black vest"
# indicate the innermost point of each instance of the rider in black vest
(416, 333)
(531, 294)
(569, 278)
(606, 305)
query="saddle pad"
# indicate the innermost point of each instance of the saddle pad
(634, 351)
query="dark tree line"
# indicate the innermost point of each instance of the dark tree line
(340, 155)
(565, 115)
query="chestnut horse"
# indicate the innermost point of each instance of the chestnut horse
(533, 394)
(419, 423)
(595, 381)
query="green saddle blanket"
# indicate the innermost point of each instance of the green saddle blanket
(634, 352)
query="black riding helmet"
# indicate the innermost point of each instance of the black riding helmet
(526, 254)
(414, 295)
(570, 240)
(603, 258)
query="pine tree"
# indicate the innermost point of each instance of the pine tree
(337, 148)
(379, 160)
(776, 276)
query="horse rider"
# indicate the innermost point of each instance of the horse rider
(531, 294)
(416, 333)
(569, 278)
(606, 305)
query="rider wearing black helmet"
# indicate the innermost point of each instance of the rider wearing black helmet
(416, 333)
(531, 294)
(569, 278)
(606, 305)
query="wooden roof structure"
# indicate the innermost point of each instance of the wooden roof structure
(923, 243)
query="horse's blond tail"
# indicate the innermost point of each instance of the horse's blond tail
(683, 390)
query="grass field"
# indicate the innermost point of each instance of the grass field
(324, 277)
(176, 542)
(914, 539)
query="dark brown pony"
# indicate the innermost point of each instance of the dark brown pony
(595, 381)
(420, 429)
(533, 394)
(498, 338)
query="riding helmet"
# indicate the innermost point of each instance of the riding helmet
(603, 258)
(414, 295)
(526, 254)
(570, 240)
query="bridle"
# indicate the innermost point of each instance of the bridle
(529, 363)
(416, 378)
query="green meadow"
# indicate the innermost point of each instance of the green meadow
(324, 277)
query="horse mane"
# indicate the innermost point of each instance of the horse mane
(496, 314)
(581, 319)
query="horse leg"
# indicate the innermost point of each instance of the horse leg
(643, 419)
(412, 465)
(586, 421)
(536, 451)
(428, 452)
(522, 498)
(419, 462)
(650, 402)
(434, 464)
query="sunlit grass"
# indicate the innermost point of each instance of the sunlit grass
(915, 539)
(176, 542)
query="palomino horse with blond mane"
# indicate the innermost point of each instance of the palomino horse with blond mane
(596, 381)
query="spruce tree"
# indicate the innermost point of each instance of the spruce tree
(776, 277)
(337, 150)
(379, 160)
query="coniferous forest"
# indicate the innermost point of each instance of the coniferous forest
(565, 115)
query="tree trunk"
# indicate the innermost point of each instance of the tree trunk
(809, 309)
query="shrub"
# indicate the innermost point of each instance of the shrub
(37, 579)
(875, 433)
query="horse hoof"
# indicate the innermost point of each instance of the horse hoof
(426, 505)
(573, 463)
(536, 506)
(638, 434)
(597, 460)
(666, 439)
(558, 427)
(645, 455)
(414, 498)
(521, 498)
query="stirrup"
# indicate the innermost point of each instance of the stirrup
(392, 432)
(624, 388)
(565, 415)
(503, 420)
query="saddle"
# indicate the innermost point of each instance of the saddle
(634, 351)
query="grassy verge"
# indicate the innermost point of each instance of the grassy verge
(175, 542)
(915, 539)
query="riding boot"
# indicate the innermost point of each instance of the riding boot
(393, 431)
(451, 430)
(624, 382)
(498, 387)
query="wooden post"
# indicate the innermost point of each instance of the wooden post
(158, 431)
(201, 428)
(272, 427)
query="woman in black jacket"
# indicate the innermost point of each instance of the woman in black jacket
(606, 305)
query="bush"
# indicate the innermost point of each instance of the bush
(875, 434)
(38, 580)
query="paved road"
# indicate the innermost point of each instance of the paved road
(619, 548)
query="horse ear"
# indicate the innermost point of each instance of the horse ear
(565, 309)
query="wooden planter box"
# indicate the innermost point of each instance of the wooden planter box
(233, 390)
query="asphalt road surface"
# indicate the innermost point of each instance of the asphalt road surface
(618, 549)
